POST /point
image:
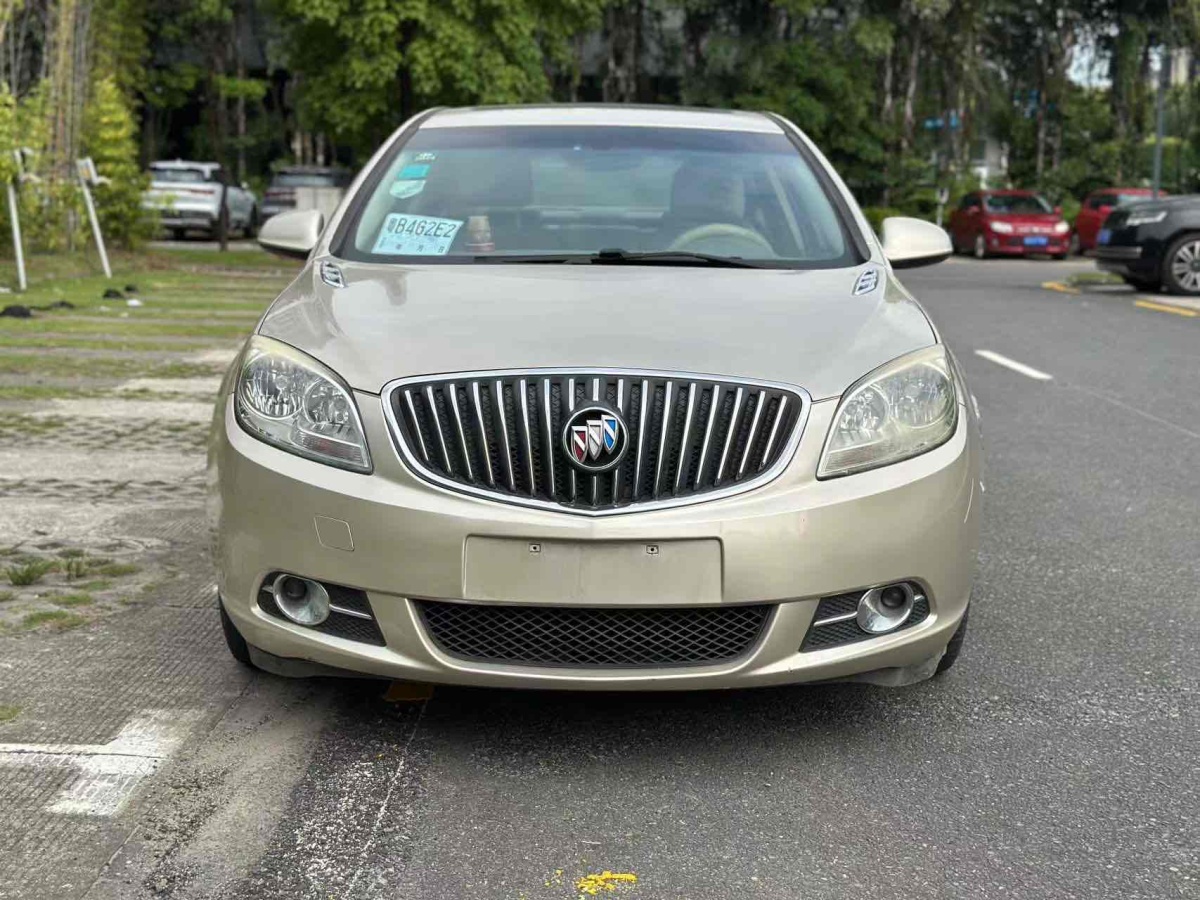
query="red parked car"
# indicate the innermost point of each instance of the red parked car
(1096, 207)
(1008, 223)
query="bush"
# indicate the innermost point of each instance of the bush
(876, 214)
(110, 139)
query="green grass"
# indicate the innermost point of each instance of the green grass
(72, 553)
(1092, 278)
(124, 368)
(8, 712)
(116, 570)
(5, 596)
(54, 619)
(29, 573)
(75, 568)
(69, 600)
(99, 584)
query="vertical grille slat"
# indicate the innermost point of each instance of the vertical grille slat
(498, 402)
(549, 448)
(437, 427)
(662, 440)
(452, 388)
(500, 435)
(412, 411)
(484, 448)
(730, 434)
(779, 415)
(759, 404)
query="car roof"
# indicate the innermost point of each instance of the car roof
(184, 164)
(626, 115)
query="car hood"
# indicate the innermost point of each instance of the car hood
(802, 327)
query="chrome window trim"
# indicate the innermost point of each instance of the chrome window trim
(756, 481)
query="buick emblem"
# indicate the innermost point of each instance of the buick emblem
(595, 438)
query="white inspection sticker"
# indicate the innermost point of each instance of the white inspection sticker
(404, 235)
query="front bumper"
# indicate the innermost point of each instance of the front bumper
(1014, 245)
(789, 543)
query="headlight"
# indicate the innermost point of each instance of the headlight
(288, 399)
(1146, 218)
(1001, 227)
(903, 409)
(1061, 227)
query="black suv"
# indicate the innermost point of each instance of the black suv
(1154, 244)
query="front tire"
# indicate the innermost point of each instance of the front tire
(1181, 266)
(954, 648)
(237, 645)
(980, 249)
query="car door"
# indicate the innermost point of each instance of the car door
(1087, 224)
(960, 221)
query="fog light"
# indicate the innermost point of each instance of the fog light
(304, 602)
(885, 609)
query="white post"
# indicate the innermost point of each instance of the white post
(87, 173)
(16, 233)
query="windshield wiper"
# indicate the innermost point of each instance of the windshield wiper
(615, 256)
(618, 257)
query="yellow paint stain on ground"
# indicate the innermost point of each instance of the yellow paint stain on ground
(1060, 287)
(1167, 308)
(591, 885)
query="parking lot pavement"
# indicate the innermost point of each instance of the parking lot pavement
(1058, 759)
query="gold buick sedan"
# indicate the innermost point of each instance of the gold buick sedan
(597, 397)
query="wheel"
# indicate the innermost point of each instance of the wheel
(251, 224)
(1140, 284)
(1181, 266)
(954, 647)
(1059, 256)
(1074, 247)
(980, 248)
(237, 644)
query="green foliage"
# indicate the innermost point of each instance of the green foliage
(876, 214)
(8, 712)
(25, 574)
(362, 66)
(110, 139)
(54, 619)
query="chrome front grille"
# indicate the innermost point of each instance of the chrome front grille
(689, 437)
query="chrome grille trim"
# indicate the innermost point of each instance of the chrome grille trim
(698, 437)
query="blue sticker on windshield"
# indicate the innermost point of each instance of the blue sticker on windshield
(402, 190)
(414, 172)
(403, 235)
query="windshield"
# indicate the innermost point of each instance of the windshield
(178, 176)
(1017, 204)
(481, 194)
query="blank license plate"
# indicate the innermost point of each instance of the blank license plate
(1104, 236)
(1036, 241)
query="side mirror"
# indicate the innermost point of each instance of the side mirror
(292, 234)
(908, 243)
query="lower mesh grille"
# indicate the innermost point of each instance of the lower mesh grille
(339, 624)
(834, 634)
(594, 638)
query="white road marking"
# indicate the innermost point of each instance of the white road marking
(1027, 371)
(107, 773)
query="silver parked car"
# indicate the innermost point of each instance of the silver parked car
(187, 196)
(599, 398)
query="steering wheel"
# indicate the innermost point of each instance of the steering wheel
(723, 234)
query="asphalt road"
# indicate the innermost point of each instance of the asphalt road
(1059, 759)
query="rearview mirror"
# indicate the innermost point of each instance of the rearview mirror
(292, 234)
(908, 243)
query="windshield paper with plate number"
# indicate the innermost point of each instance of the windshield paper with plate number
(404, 235)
